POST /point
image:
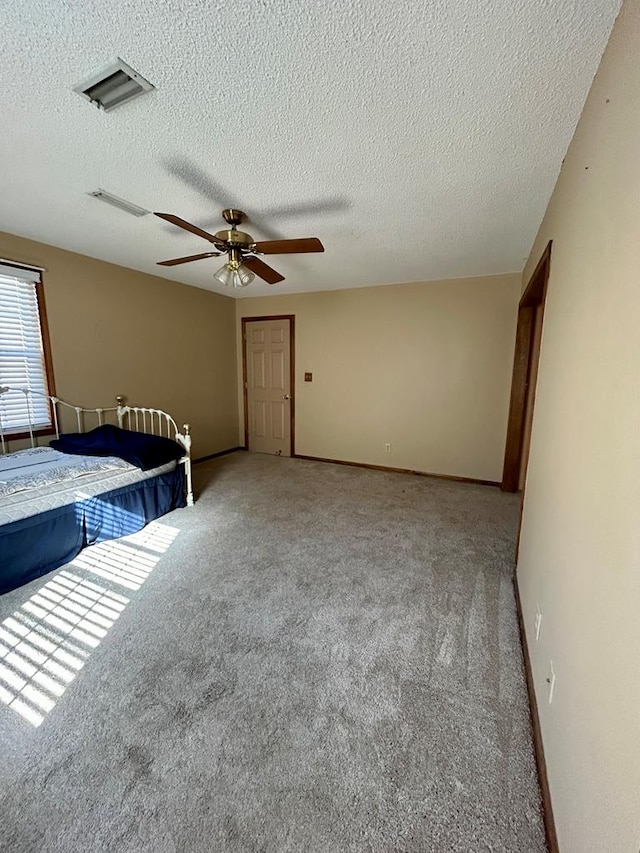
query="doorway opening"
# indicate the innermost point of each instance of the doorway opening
(525, 374)
(268, 378)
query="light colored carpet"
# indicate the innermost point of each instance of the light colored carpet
(313, 658)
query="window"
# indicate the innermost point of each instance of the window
(24, 357)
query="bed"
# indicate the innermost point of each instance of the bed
(120, 468)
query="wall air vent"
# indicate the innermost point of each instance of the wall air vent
(121, 203)
(113, 86)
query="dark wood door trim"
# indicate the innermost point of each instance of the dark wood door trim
(534, 295)
(518, 403)
(292, 372)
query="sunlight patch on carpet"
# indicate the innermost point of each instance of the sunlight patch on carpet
(47, 641)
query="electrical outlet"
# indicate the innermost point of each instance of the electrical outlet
(387, 447)
(538, 623)
(551, 681)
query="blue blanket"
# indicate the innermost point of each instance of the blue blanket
(140, 449)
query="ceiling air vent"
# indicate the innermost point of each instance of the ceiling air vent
(121, 203)
(115, 85)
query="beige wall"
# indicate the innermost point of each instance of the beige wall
(117, 331)
(580, 548)
(424, 366)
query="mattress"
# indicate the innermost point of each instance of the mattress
(25, 504)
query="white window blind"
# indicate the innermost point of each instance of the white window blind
(22, 362)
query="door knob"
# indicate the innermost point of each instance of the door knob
(286, 396)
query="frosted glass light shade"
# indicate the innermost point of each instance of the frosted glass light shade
(245, 275)
(224, 275)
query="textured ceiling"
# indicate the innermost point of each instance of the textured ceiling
(419, 140)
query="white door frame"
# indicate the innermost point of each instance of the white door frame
(292, 371)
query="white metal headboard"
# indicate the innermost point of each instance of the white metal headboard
(149, 421)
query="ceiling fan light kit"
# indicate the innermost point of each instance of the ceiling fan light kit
(241, 276)
(243, 264)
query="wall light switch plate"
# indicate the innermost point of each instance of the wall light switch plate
(308, 377)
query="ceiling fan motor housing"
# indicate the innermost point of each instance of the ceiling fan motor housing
(236, 238)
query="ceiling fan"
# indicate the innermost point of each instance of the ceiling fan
(242, 250)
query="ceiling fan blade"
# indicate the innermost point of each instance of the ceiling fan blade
(182, 223)
(186, 260)
(289, 247)
(263, 270)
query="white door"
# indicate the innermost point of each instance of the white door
(268, 360)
